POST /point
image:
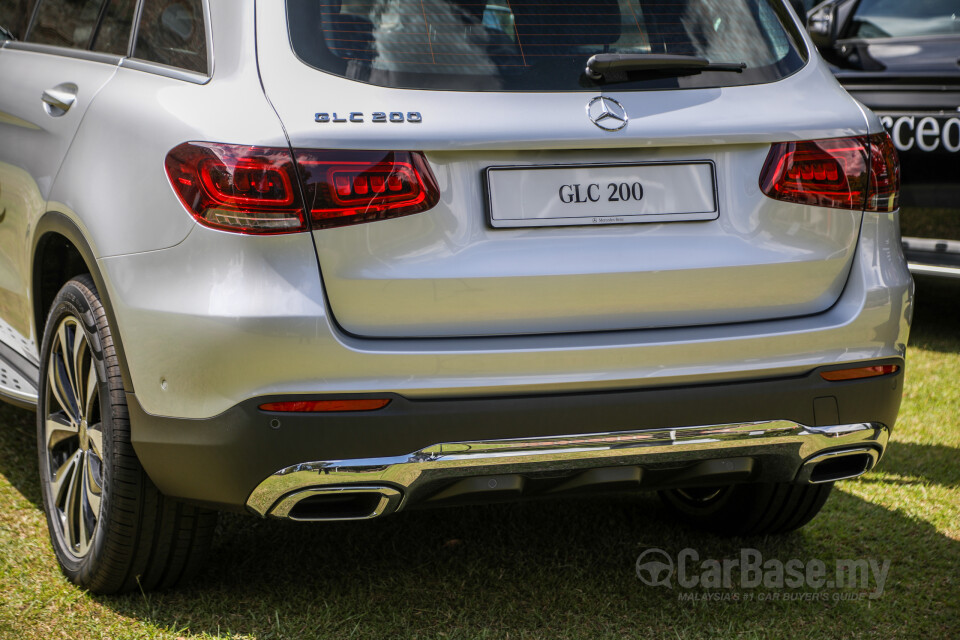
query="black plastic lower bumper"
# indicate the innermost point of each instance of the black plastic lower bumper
(219, 461)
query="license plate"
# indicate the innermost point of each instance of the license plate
(601, 194)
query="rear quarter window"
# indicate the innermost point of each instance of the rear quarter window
(526, 45)
(173, 32)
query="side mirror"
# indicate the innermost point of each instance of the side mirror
(823, 24)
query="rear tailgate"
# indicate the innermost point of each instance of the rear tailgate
(488, 259)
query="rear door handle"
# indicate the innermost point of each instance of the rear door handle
(58, 100)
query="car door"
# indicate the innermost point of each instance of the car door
(47, 81)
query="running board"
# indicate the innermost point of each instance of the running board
(16, 387)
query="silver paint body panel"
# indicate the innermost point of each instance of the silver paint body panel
(456, 307)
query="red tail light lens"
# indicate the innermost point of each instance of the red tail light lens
(237, 188)
(822, 173)
(351, 187)
(859, 173)
(255, 190)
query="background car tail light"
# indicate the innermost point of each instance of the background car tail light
(237, 188)
(351, 187)
(859, 173)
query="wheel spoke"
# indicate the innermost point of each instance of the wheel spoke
(91, 490)
(59, 428)
(75, 370)
(63, 478)
(84, 519)
(89, 393)
(56, 375)
(95, 434)
(71, 507)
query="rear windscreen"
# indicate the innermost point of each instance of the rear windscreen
(521, 45)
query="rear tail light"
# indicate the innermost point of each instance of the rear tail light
(255, 189)
(350, 187)
(838, 375)
(237, 188)
(884, 194)
(860, 173)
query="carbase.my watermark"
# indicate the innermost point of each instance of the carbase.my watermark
(655, 567)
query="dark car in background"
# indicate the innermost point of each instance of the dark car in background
(902, 60)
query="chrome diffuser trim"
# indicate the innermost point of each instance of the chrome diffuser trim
(389, 501)
(806, 471)
(790, 444)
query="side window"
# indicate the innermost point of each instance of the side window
(113, 36)
(13, 18)
(899, 19)
(65, 23)
(172, 32)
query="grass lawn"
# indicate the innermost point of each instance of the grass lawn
(537, 570)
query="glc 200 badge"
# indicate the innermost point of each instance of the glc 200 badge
(376, 116)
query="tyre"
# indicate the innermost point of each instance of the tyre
(111, 529)
(748, 509)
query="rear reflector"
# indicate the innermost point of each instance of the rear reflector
(859, 373)
(351, 187)
(237, 188)
(861, 173)
(318, 406)
(255, 189)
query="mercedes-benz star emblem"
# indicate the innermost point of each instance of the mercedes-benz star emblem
(607, 113)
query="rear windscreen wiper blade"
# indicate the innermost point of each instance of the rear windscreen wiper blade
(618, 63)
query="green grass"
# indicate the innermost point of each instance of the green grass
(535, 570)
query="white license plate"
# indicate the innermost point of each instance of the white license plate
(601, 194)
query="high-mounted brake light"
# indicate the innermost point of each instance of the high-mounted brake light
(237, 188)
(861, 173)
(351, 187)
(256, 190)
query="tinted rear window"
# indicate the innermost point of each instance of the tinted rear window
(65, 23)
(13, 18)
(113, 34)
(523, 45)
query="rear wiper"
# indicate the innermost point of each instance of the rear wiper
(619, 63)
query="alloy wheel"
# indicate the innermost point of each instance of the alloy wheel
(73, 435)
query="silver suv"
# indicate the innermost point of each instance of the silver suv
(326, 260)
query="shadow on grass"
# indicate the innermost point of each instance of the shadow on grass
(539, 569)
(926, 463)
(936, 317)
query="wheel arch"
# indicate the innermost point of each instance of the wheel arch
(61, 252)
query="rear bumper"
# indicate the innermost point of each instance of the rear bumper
(429, 451)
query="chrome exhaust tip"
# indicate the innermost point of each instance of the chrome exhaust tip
(325, 504)
(838, 465)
